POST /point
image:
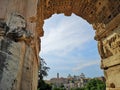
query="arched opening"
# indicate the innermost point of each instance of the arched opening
(105, 21)
(68, 46)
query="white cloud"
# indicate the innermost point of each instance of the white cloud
(65, 37)
(64, 44)
(83, 65)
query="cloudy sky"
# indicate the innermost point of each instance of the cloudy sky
(68, 47)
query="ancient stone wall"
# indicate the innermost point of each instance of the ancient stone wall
(19, 45)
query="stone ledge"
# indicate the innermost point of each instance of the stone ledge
(115, 23)
(111, 61)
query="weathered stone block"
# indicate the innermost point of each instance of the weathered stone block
(11, 64)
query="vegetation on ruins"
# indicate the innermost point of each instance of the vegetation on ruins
(43, 71)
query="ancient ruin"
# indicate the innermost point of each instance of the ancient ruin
(21, 26)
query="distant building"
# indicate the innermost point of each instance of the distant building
(70, 81)
(57, 75)
(58, 82)
(82, 75)
(69, 76)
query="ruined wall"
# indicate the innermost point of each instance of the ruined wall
(18, 54)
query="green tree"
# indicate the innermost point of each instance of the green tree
(95, 84)
(61, 87)
(43, 71)
(43, 86)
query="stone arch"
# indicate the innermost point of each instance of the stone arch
(96, 12)
(104, 17)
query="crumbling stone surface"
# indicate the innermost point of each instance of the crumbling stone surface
(16, 55)
(96, 12)
(11, 63)
(15, 28)
(110, 45)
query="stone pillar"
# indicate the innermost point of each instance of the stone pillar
(11, 63)
(109, 49)
(111, 60)
(19, 45)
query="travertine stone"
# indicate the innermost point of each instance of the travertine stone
(110, 45)
(109, 49)
(19, 65)
(112, 77)
(110, 61)
(12, 57)
(30, 70)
